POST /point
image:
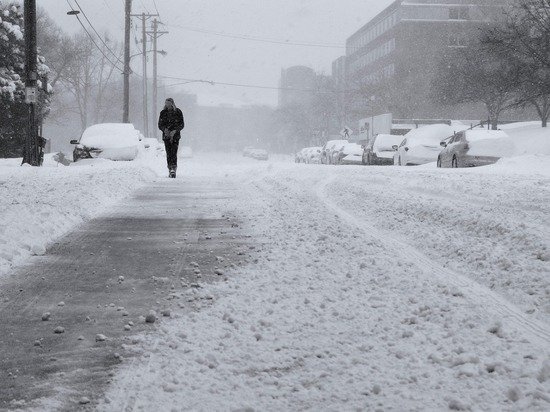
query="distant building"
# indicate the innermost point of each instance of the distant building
(339, 72)
(295, 86)
(402, 47)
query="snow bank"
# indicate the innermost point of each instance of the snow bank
(40, 204)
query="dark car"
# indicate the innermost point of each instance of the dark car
(470, 148)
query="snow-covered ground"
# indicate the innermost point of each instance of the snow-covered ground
(369, 288)
(40, 204)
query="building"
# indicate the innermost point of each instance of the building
(399, 51)
(295, 86)
(339, 72)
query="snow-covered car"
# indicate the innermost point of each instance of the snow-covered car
(381, 150)
(350, 154)
(186, 152)
(471, 148)
(422, 145)
(300, 156)
(247, 151)
(329, 148)
(259, 154)
(113, 141)
(314, 155)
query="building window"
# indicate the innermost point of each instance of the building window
(459, 13)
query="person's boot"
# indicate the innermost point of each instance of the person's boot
(172, 172)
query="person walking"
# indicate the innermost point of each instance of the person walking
(171, 123)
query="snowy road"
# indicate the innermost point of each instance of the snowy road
(369, 288)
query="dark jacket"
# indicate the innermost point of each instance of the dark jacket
(171, 120)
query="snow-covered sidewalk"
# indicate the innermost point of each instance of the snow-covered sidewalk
(371, 288)
(40, 204)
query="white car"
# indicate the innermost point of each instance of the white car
(327, 152)
(259, 154)
(113, 141)
(314, 155)
(350, 154)
(423, 145)
(300, 157)
(381, 150)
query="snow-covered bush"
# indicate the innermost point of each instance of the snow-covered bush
(13, 110)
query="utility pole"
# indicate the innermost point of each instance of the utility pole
(145, 99)
(144, 17)
(32, 147)
(126, 98)
(155, 34)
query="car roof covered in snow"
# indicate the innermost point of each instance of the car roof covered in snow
(110, 135)
(431, 134)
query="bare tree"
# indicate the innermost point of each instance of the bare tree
(89, 79)
(524, 40)
(478, 74)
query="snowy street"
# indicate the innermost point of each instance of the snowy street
(346, 288)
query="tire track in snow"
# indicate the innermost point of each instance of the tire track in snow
(473, 290)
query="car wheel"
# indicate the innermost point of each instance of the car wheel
(439, 162)
(455, 162)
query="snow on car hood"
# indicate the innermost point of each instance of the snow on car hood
(110, 136)
(353, 149)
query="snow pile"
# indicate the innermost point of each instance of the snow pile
(40, 204)
(333, 316)
(529, 138)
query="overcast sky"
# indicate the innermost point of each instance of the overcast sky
(197, 55)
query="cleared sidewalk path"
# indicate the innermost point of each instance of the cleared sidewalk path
(99, 282)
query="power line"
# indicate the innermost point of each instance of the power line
(98, 35)
(254, 38)
(156, 8)
(94, 42)
(252, 86)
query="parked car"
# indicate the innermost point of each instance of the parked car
(381, 150)
(328, 149)
(259, 154)
(350, 154)
(470, 148)
(300, 156)
(114, 141)
(247, 151)
(314, 155)
(422, 145)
